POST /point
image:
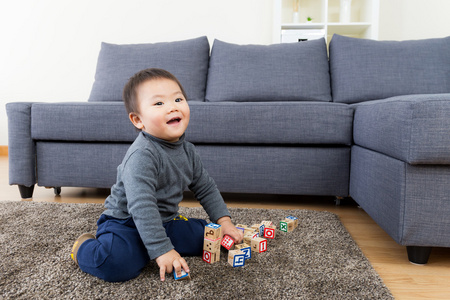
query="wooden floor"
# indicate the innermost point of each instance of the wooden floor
(405, 280)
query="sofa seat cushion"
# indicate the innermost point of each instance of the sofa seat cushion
(270, 123)
(280, 72)
(363, 70)
(81, 122)
(187, 60)
(414, 128)
(211, 123)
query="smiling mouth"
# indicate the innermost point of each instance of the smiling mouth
(174, 121)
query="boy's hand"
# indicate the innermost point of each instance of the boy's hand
(228, 228)
(169, 261)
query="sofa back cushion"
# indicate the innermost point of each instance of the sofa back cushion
(363, 70)
(280, 72)
(187, 60)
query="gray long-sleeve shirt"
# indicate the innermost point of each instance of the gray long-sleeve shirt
(150, 183)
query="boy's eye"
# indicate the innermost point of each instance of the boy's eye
(159, 103)
(178, 99)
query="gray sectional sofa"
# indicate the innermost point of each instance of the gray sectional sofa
(371, 120)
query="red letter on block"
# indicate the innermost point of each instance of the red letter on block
(269, 233)
(206, 256)
(227, 242)
(263, 246)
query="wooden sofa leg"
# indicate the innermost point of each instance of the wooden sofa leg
(26, 192)
(418, 255)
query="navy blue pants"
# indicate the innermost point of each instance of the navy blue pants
(118, 253)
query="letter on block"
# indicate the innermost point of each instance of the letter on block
(183, 276)
(227, 242)
(210, 258)
(269, 232)
(259, 245)
(284, 226)
(236, 258)
(213, 231)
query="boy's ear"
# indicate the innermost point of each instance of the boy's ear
(136, 120)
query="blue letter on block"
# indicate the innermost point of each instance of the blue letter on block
(248, 252)
(239, 260)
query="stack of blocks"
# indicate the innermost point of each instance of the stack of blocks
(211, 243)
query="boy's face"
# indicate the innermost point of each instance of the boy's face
(163, 110)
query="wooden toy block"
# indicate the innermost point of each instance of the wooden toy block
(183, 276)
(290, 224)
(212, 246)
(241, 227)
(295, 220)
(236, 258)
(259, 245)
(267, 223)
(213, 231)
(249, 236)
(249, 230)
(244, 248)
(227, 242)
(269, 232)
(210, 258)
(259, 228)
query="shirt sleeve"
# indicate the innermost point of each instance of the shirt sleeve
(140, 174)
(206, 191)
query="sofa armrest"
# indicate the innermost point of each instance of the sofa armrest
(413, 128)
(22, 150)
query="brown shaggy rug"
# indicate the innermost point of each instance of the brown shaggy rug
(319, 260)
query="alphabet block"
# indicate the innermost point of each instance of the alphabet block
(259, 245)
(259, 228)
(287, 225)
(249, 230)
(241, 227)
(183, 276)
(267, 223)
(212, 246)
(213, 231)
(210, 258)
(248, 236)
(227, 242)
(290, 224)
(295, 219)
(246, 249)
(236, 258)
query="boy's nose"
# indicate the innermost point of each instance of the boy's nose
(173, 107)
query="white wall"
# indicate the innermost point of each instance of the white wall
(49, 48)
(414, 19)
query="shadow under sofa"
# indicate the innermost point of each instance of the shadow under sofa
(278, 119)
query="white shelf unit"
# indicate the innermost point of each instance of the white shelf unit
(364, 18)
